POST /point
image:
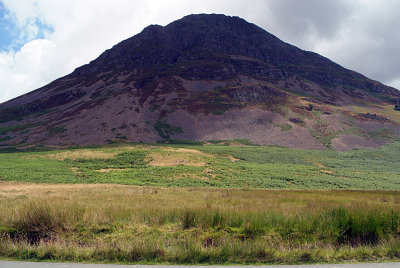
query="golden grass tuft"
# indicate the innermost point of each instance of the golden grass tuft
(168, 157)
(73, 155)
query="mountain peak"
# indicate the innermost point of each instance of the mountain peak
(164, 45)
(205, 77)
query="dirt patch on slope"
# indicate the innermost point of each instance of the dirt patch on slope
(326, 171)
(320, 165)
(233, 159)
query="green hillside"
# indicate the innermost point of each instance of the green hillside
(222, 164)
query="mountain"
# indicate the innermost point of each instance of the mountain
(206, 77)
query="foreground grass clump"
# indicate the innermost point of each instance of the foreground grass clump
(36, 221)
(111, 223)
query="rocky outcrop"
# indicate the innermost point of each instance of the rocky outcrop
(210, 41)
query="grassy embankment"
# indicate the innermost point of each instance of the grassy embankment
(189, 222)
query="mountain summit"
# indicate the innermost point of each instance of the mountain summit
(206, 77)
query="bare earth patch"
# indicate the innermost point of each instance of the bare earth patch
(233, 159)
(326, 171)
(320, 165)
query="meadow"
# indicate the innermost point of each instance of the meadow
(217, 203)
(129, 224)
(219, 165)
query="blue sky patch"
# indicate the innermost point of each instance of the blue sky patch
(12, 37)
(7, 35)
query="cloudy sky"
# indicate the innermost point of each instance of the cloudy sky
(41, 40)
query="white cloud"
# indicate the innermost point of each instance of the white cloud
(24, 69)
(369, 42)
(362, 35)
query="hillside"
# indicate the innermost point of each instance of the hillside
(206, 77)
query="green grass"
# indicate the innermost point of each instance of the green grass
(18, 128)
(232, 142)
(56, 130)
(165, 130)
(6, 138)
(383, 133)
(73, 204)
(257, 167)
(285, 127)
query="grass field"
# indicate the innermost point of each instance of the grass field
(212, 165)
(194, 203)
(114, 223)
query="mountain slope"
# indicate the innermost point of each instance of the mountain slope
(206, 77)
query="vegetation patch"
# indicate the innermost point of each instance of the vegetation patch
(383, 133)
(323, 133)
(234, 142)
(121, 137)
(15, 113)
(165, 130)
(123, 160)
(56, 130)
(285, 127)
(6, 138)
(298, 121)
(18, 128)
(181, 142)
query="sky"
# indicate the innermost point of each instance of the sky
(42, 40)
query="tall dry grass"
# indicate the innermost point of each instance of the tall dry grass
(142, 224)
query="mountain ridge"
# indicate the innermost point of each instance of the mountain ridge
(210, 68)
